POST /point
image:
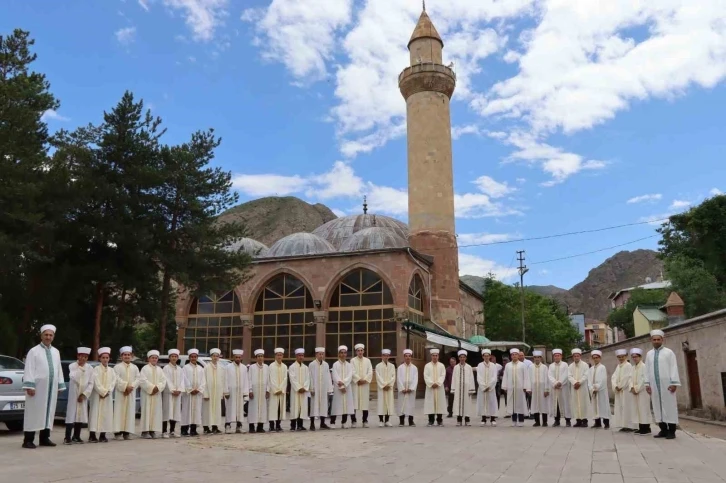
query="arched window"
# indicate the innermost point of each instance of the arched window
(361, 311)
(214, 322)
(415, 300)
(284, 318)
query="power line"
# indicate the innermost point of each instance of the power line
(594, 251)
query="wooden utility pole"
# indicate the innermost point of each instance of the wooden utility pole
(522, 270)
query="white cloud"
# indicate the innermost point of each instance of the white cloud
(679, 204)
(458, 131)
(484, 238)
(52, 115)
(126, 35)
(521, 180)
(474, 265)
(144, 4)
(338, 213)
(203, 17)
(544, 271)
(494, 189)
(715, 192)
(268, 184)
(642, 198)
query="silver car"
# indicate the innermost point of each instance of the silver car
(12, 396)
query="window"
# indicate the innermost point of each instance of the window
(214, 322)
(415, 301)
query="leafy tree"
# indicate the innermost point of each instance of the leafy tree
(698, 287)
(622, 317)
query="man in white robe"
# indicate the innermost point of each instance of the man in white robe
(152, 383)
(127, 380)
(299, 376)
(641, 399)
(193, 397)
(662, 381)
(487, 375)
(407, 381)
(238, 382)
(599, 397)
(463, 387)
(342, 393)
(215, 390)
(276, 410)
(541, 390)
(435, 401)
(385, 382)
(528, 396)
(172, 396)
(362, 377)
(560, 384)
(259, 393)
(517, 384)
(621, 381)
(42, 381)
(321, 386)
(80, 387)
(104, 383)
(578, 375)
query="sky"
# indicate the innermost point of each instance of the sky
(568, 116)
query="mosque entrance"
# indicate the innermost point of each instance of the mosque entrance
(694, 381)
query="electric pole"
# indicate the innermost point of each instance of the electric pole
(522, 270)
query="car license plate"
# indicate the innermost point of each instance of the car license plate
(17, 405)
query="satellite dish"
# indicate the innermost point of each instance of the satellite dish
(648, 279)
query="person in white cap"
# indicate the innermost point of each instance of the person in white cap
(215, 390)
(435, 401)
(299, 376)
(152, 383)
(463, 387)
(541, 390)
(517, 384)
(361, 384)
(238, 384)
(385, 381)
(621, 381)
(259, 394)
(560, 384)
(127, 380)
(662, 381)
(641, 399)
(577, 375)
(487, 375)
(342, 393)
(597, 381)
(407, 382)
(80, 387)
(193, 397)
(321, 386)
(42, 381)
(172, 396)
(104, 382)
(277, 404)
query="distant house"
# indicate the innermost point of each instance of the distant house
(598, 333)
(650, 317)
(621, 297)
(578, 320)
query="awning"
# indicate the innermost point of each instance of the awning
(441, 340)
(468, 346)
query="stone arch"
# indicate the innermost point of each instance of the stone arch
(330, 288)
(417, 287)
(259, 286)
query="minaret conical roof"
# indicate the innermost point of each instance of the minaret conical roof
(425, 29)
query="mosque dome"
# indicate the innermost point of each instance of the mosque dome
(299, 244)
(249, 246)
(340, 230)
(479, 340)
(373, 238)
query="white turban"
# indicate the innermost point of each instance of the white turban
(83, 350)
(125, 349)
(299, 351)
(657, 332)
(596, 353)
(359, 346)
(577, 351)
(636, 350)
(215, 351)
(259, 352)
(537, 354)
(193, 351)
(320, 349)
(173, 351)
(462, 352)
(50, 327)
(343, 348)
(279, 350)
(152, 353)
(407, 352)
(434, 352)
(386, 352)
(621, 352)
(513, 351)
(556, 351)
(104, 350)
(486, 351)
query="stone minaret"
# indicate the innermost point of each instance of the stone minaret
(427, 86)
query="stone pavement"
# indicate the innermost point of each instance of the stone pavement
(477, 454)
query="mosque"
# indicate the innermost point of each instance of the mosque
(363, 278)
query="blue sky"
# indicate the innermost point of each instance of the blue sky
(569, 115)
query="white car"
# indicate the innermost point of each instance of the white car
(12, 396)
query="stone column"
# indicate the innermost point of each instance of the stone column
(247, 323)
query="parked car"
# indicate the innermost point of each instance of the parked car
(12, 396)
(202, 360)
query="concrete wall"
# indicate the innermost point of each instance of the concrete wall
(640, 323)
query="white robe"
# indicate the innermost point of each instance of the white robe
(43, 373)
(407, 379)
(152, 405)
(321, 385)
(600, 399)
(238, 384)
(540, 381)
(299, 376)
(259, 386)
(580, 397)
(622, 378)
(362, 371)
(661, 372)
(516, 381)
(640, 413)
(101, 418)
(462, 386)
(192, 403)
(278, 392)
(386, 376)
(215, 389)
(124, 414)
(342, 401)
(486, 395)
(80, 381)
(172, 405)
(435, 399)
(560, 395)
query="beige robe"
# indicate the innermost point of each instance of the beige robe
(362, 371)
(578, 372)
(151, 404)
(386, 376)
(641, 399)
(435, 398)
(622, 379)
(101, 417)
(299, 375)
(276, 410)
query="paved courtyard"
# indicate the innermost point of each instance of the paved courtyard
(477, 454)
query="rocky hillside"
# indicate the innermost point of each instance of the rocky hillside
(269, 219)
(622, 270)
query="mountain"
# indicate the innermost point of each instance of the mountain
(623, 270)
(269, 219)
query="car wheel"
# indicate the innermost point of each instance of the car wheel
(14, 425)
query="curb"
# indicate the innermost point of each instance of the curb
(703, 421)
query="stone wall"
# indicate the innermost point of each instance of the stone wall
(472, 312)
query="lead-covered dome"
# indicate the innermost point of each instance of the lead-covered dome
(373, 238)
(299, 244)
(339, 230)
(249, 246)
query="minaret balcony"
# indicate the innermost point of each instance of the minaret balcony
(427, 77)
